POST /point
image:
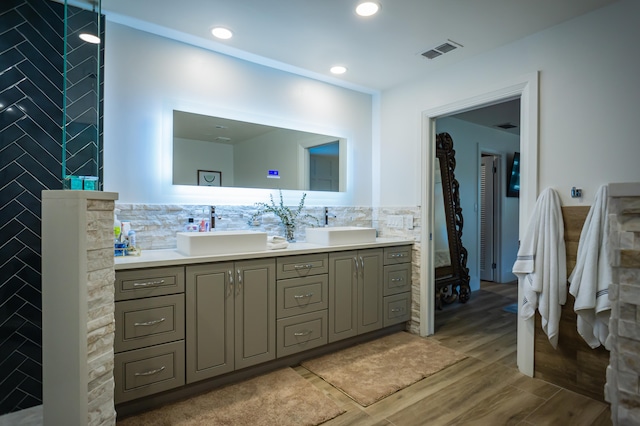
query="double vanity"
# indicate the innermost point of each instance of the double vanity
(221, 302)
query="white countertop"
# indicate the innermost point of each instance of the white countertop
(171, 257)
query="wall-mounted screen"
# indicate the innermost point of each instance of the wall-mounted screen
(513, 181)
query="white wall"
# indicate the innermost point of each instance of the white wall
(588, 128)
(469, 140)
(147, 76)
(190, 155)
(277, 150)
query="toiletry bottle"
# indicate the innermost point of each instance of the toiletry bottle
(191, 226)
(132, 239)
(117, 226)
(125, 227)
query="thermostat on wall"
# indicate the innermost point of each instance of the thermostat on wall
(273, 174)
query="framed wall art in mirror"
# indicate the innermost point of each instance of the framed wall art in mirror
(209, 178)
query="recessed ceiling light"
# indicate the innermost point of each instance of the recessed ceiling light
(90, 38)
(222, 33)
(338, 69)
(367, 8)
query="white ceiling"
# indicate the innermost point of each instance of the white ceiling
(380, 52)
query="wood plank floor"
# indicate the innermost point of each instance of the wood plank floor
(484, 389)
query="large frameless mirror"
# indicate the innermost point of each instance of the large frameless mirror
(217, 151)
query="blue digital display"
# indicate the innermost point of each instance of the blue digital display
(274, 174)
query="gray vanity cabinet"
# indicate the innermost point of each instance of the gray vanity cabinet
(355, 293)
(302, 302)
(149, 332)
(397, 285)
(230, 316)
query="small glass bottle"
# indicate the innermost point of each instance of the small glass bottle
(191, 226)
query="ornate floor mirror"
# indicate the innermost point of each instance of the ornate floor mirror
(451, 272)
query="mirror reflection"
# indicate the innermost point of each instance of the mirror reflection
(440, 235)
(216, 151)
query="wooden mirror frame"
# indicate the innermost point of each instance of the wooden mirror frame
(455, 275)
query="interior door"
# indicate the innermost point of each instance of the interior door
(324, 173)
(488, 177)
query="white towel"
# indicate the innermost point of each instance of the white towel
(541, 265)
(591, 276)
(277, 243)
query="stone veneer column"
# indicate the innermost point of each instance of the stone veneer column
(78, 307)
(622, 389)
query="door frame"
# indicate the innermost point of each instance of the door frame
(525, 87)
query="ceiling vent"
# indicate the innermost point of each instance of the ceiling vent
(506, 126)
(441, 49)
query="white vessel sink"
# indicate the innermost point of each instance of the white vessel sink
(220, 242)
(340, 235)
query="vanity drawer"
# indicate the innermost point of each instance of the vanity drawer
(147, 371)
(302, 332)
(394, 255)
(397, 309)
(149, 321)
(397, 278)
(138, 283)
(302, 266)
(297, 296)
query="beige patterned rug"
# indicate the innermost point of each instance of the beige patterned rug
(371, 371)
(279, 398)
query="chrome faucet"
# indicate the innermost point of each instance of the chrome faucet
(327, 215)
(212, 217)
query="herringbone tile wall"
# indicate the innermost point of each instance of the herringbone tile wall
(31, 95)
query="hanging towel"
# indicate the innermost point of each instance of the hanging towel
(541, 265)
(591, 276)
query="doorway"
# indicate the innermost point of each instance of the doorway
(526, 87)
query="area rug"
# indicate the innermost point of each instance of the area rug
(374, 370)
(279, 398)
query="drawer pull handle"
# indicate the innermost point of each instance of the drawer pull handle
(302, 296)
(307, 266)
(395, 280)
(303, 333)
(397, 310)
(398, 255)
(154, 322)
(151, 372)
(149, 283)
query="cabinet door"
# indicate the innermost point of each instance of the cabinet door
(370, 289)
(343, 295)
(210, 320)
(255, 312)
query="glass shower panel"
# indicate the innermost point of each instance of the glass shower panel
(82, 100)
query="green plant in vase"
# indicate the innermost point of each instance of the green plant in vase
(287, 215)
